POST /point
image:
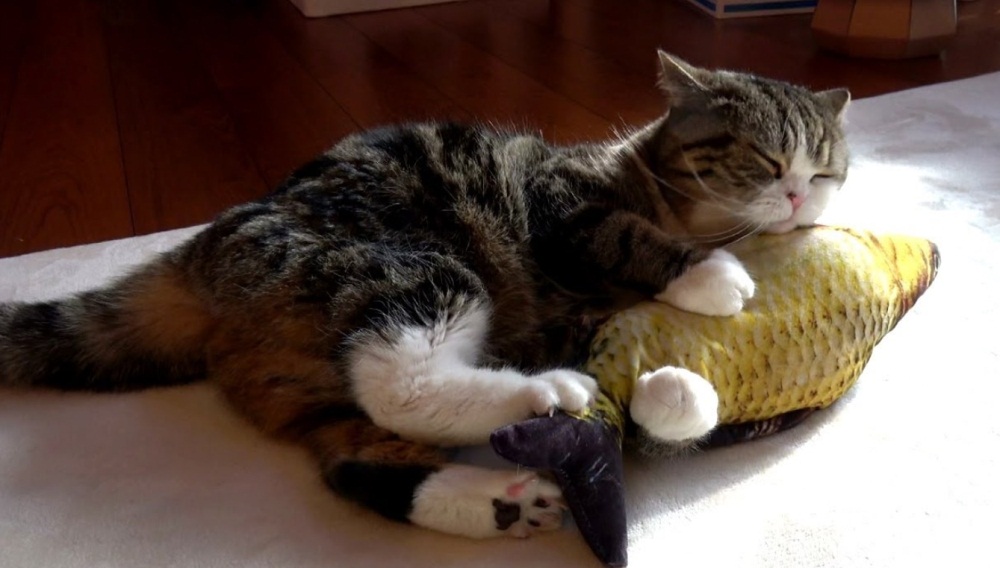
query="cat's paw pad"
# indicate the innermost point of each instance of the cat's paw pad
(529, 505)
(561, 389)
(483, 503)
(674, 404)
(716, 286)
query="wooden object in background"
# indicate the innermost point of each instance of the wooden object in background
(322, 8)
(885, 29)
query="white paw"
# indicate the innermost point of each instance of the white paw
(529, 504)
(716, 286)
(674, 404)
(561, 389)
(482, 503)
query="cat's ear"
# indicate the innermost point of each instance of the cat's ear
(837, 99)
(679, 80)
(688, 99)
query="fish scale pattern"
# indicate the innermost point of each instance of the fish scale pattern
(825, 297)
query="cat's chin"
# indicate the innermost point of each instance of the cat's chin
(781, 227)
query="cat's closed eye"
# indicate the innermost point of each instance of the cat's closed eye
(775, 168)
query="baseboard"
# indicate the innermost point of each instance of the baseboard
(321, 8)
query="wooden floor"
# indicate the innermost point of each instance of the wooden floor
(125, 117)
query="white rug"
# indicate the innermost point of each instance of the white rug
(902, 472)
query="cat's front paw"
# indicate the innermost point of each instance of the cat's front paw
(563, 389)
(674, 404)
(716, 286)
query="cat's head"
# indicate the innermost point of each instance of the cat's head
(741, 154)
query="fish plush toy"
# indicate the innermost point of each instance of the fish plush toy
(825, 297)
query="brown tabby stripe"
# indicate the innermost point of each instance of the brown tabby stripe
(720, 142)
(778, 168)
(696, 173)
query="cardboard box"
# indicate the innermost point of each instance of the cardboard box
(745, 8)
(322, 8)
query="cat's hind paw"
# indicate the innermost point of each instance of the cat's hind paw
(530, 504)
(716, 286)
(482, 503)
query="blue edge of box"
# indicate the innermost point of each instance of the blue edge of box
(760, 6)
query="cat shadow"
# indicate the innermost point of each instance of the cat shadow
(655, 487)
(179, 463)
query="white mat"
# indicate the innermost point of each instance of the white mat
(902, 472)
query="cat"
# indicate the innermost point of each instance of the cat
(417, 286)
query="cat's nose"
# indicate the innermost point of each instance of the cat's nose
(797, 200)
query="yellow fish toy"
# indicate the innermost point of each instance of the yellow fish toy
(825, 297)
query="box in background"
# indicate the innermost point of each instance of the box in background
(322, 8)
(745, 8)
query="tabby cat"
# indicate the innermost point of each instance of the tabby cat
(416, 287)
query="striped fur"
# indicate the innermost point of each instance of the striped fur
(403, 227)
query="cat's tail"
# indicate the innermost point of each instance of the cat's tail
(146, 329)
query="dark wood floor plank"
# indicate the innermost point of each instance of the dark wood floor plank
(183, 159)
(238, 91)
(283, 115)
(780, 47)
(61, 179)
(603, 86)
(485, 86)
(16, 18)
(622, 31)
(368, 83)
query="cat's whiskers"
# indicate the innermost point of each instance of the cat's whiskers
(712, 193)
(728, 231)
(715, 199)
(755, 228)
(731, 235)
(729, 207)
(627, 144)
